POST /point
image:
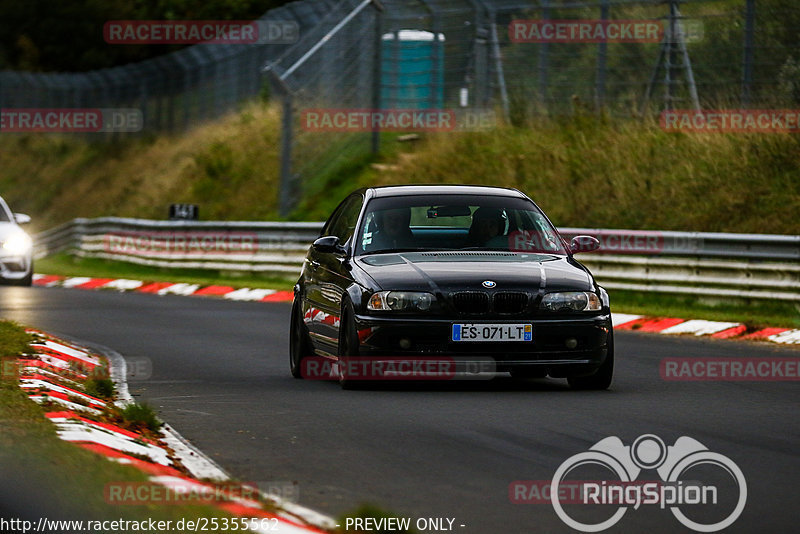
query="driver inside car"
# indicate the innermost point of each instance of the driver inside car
(392, 230)
(486, 231)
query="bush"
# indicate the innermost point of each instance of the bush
(102, 388)
(13, 339)
(140, 416)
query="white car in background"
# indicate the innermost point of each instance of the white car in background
(16, 248)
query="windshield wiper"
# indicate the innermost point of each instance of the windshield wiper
(400, 250)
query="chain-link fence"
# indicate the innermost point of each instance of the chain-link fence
(172, 92)
(333, 66)
(507, 56)
(498, 54)
(731, 53)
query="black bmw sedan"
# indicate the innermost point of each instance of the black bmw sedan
(431, 282)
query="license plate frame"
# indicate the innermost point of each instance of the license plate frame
(492, 332)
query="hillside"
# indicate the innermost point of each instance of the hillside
(583, 170)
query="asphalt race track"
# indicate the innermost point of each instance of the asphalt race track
(220, 377)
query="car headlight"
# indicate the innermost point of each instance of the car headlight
(17, 244)
(571, 301)
(400, 301)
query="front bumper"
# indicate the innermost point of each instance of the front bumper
(14, 267)
(563, 347)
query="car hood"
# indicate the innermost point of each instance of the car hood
(447, 271)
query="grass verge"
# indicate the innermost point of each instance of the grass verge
(68, 265)
(756, 314)
(44, 476)
(584, 170)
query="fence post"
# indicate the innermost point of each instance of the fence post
(747, 55)
(287, 180)
(377, 70)
(602, 54)
(498, 62)
(544, 59)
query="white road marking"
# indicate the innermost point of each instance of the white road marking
(622, 318)
(699, 327)
(790, 337)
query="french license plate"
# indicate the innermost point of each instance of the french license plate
(492, 332)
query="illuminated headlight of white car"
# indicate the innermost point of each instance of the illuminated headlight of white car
(18, 244)
(400, 301)
(571, 301)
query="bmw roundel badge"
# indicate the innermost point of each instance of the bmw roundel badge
(489, 284)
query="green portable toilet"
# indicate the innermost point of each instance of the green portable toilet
(412, 70)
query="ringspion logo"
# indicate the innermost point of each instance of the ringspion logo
(649, 452)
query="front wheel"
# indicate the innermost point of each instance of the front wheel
(299, 343)
(348, 346)
(27, 280)
(600, 379)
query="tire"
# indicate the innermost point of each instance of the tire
(600, 379)
(348, 345)
(27, 281)
(299, 342)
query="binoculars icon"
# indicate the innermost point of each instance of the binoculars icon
(648, 452)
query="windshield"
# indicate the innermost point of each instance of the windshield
(455, 222)
(5, 215)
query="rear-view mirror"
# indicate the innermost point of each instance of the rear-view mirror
(448, 211)
(583, 243)
(328, 244)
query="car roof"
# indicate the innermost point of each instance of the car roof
(426, 189)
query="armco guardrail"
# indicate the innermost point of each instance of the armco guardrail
(277, 247)
(750, 266)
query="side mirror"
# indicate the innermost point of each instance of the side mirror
(21, 218)
(583, 243)
(328, 244)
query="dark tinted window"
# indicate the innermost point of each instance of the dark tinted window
(456, 222)
(342, 223)
(4, 214)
